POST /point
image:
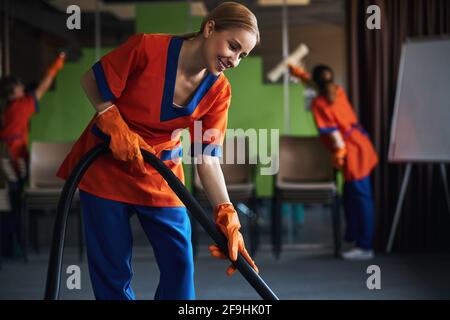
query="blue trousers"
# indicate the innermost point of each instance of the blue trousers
(359, 212)
(109, 248)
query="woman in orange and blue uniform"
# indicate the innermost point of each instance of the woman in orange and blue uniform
(18, 108)
(143, 92)
(352, 152)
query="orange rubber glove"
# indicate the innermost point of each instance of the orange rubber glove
(228, 222)
(299, 72)
(338, 158)
(124, 144)
(57, 65)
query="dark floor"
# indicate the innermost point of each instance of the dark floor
(301, 273)
(306, 269)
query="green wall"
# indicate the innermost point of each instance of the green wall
(66, 111)
(260, 106)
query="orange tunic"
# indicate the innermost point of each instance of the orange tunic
(139, 77)
(16, 126)
(361, 155)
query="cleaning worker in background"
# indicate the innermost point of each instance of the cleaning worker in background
(17, 109)
(143, 92)
(352, 152)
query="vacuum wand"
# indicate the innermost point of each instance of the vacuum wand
(57, 250)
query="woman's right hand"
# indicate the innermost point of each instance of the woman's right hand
(124, 144)
(299, 72)
(57, 65)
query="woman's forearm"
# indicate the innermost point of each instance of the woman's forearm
(50, 75)
(213, 181)
(89, 86)
(43, 86)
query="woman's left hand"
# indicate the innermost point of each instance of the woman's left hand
(228, 222)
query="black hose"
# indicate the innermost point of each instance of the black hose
(53, 282)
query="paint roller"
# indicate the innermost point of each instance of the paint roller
(298, 54)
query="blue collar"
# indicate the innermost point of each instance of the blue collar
(168, 111)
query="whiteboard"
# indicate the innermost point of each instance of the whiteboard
(420, 129)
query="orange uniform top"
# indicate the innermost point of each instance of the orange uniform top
(361, 155)
(139, 77)
(16, 126)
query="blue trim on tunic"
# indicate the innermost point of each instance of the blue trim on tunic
(168, 111)
(213, 150)
(102, 84)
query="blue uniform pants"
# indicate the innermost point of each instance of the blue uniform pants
(359, 212)
(109, 247)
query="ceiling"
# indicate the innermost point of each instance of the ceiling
(117, 20)
(317, 11)
(117, 16)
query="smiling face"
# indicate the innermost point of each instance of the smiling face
(224, 49)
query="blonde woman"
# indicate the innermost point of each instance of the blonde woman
(142, 91)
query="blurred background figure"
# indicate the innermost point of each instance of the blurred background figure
(18, 106)
(351, 151)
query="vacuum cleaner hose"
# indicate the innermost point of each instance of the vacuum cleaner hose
(53, 282)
